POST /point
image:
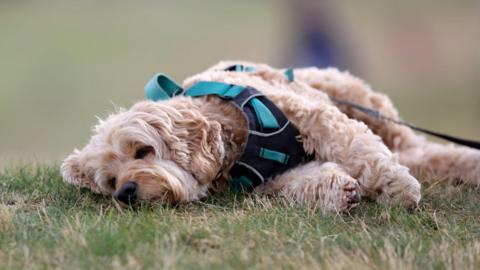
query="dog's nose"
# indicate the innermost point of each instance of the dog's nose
(127, 193)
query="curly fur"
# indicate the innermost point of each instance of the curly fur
(196, 142)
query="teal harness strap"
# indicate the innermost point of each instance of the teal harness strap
(240, 68)
(161, 87)
(214, 88)
(274, 155)
(289, 74)
(264, 115)
(229, 91)
(241, 183)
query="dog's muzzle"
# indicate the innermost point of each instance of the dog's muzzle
(127, 193)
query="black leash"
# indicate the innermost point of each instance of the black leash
(377, 115)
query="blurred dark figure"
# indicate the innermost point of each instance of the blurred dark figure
(319, 38)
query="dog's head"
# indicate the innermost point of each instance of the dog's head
(156, 150)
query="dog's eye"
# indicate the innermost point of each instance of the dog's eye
(144, 151)
(112, 182)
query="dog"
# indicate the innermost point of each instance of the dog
(183, 149)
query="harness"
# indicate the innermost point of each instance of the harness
(272, 145)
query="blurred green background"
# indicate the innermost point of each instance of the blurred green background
(64, 62)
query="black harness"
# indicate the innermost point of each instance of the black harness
(273, 145)
(269, 150)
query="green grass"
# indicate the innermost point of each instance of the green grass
(45, 223)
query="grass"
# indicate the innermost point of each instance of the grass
(45, 223)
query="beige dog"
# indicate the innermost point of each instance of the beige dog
(179, 150)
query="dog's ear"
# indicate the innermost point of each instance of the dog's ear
(205, 147)
(195, 142)
(74, 174)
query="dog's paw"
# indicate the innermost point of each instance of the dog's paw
(343, 194)
(403, 189)
(351, 193)
(326, 187)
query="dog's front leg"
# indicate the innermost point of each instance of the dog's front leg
(324, 186)
(332, 136)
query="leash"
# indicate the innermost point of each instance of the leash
(378, 116)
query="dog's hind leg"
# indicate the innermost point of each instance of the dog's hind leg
(427, 160)
(437, 162)
(324, 186)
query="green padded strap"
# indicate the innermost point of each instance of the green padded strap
(214, 88)
(274, 155)
(241, 68)
(241, 183)
(264, 115)
(289, 74)
(161, 87)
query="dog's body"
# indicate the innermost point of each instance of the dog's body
(177, 150)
